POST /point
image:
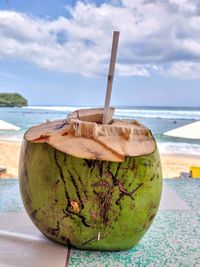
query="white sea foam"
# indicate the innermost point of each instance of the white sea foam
(159, 113)
(131, 113)
(179, 148)
(56, 108)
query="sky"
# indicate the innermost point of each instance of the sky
(57, 52)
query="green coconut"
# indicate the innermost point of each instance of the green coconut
(85, 187)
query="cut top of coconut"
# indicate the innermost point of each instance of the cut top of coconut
(83, 135)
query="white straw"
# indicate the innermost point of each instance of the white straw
(111, 74)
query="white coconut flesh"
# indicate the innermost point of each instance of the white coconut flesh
(83, 135)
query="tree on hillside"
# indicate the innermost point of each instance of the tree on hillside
(12, 100)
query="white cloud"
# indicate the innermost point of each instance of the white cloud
(156, 37)
(187, 70)
(132, 70)
(184, 5)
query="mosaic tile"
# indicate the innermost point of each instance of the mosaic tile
(173, 240)
(188, 189)
(10, 200)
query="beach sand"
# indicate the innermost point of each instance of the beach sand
(9, 158)
(172, 164)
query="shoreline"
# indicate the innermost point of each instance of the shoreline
(172, 163)
(11, 140)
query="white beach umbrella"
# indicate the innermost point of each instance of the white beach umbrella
(190, 131)
(8, 126)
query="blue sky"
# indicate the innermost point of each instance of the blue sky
(57, 52)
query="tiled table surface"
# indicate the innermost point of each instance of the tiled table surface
(173, 239)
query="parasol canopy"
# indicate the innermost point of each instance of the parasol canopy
(8, 126)
(190, 131)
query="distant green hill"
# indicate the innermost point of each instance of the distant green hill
(12, 100)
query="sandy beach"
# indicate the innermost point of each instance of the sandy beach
(172, 164)
(9, 157)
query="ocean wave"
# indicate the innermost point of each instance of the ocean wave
(56, 108)
(134, 113)
(11, 138)
(159, 114)
(179, 148)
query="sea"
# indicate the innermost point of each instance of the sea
(157, 119)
